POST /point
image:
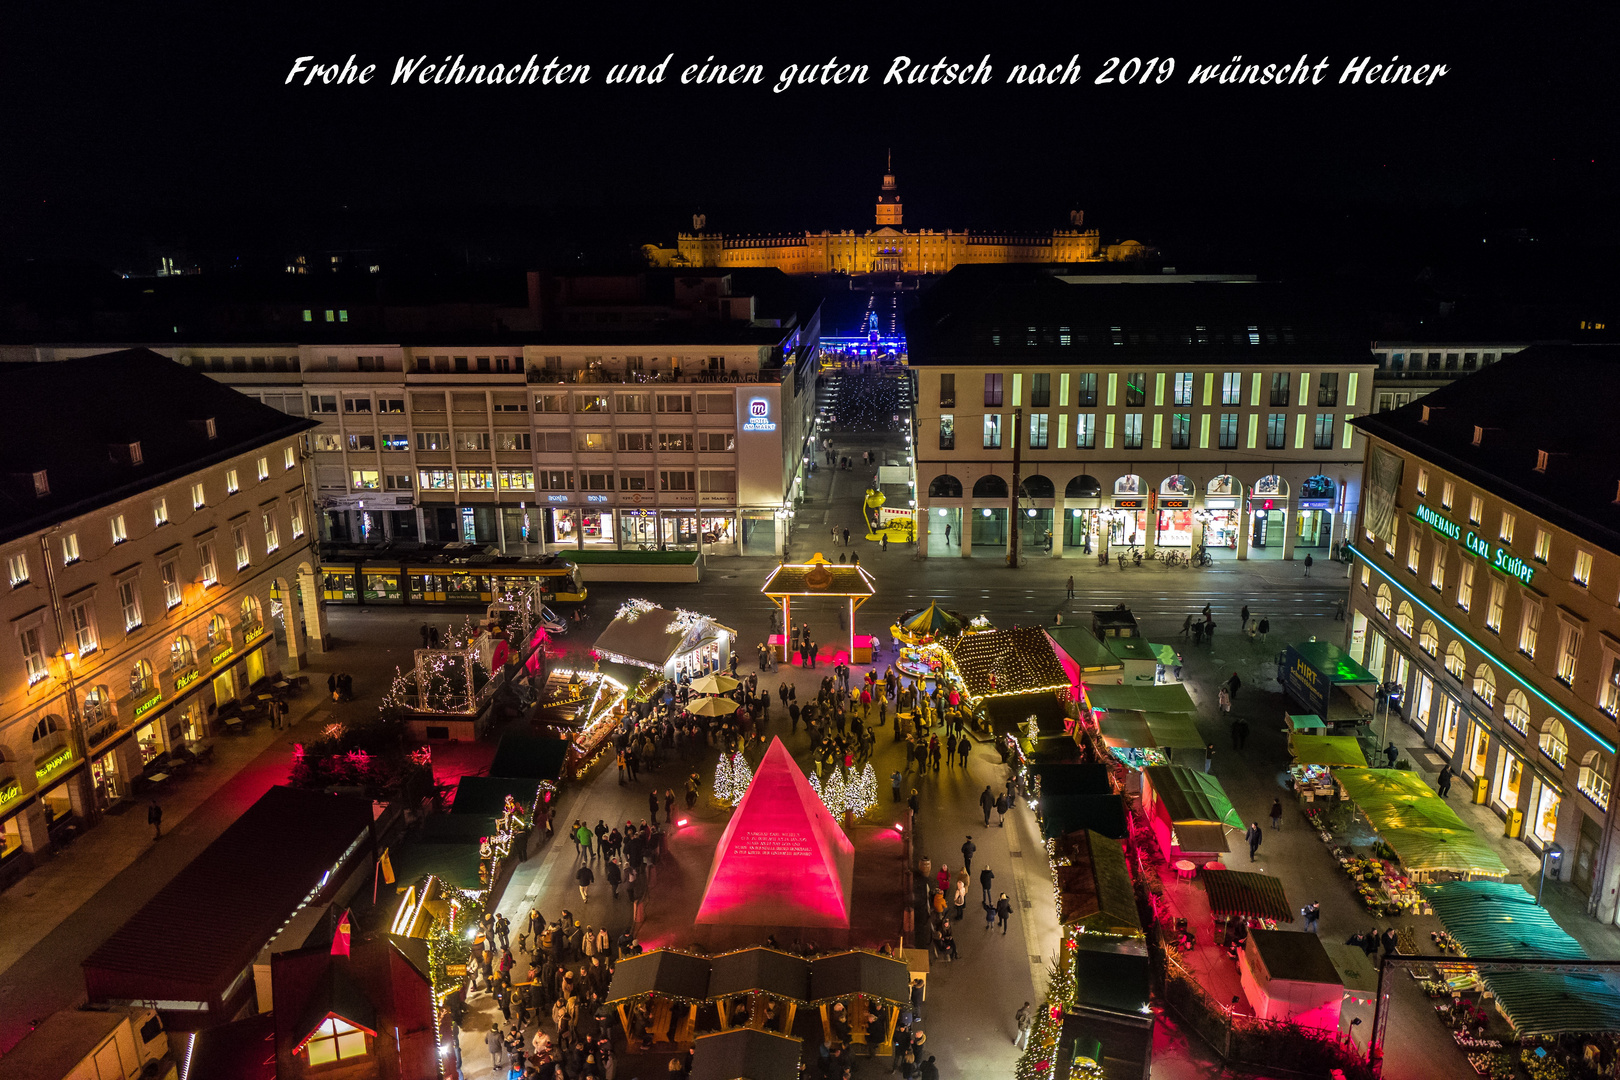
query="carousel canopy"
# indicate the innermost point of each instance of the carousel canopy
(768, 971)
(1016, 661)
(1235, 892)
(859, 972)
(745, 1054)
(1082, 646)
(662, 971)
(1327, 750)
(649, 636)
(1169, 698)
(1191, 796)
(933, 621)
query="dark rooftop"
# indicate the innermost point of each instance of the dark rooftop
(1041, 318)
(65, 417)
(1552, 398)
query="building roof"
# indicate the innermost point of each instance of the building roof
(987, 319)
(1016, 661)
(244, 1050)
(1294, 955)
(745, 1054)
(1238, 892)
(818, 577)
(1552, 398)
(65, 417)
(248, 882)
(59, 1042)
(651, 636)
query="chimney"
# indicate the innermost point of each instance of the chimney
(125, 453)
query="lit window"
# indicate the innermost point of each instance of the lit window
(1569, 654)
(197, 499)
(231, 486)
(289, 457)
(1465, 584)
(264, 468)
(1516, 710)
(1437, 567)
(297, 521)
(1384, 601)
(1485, 684)
(1594, 779)
(1583, 566)
(1553, 742)
(309, 316)
(239, 538)
(1476, 510)
(1133, 431)
(1423, 482)
(366, 479)
(160, 511)
(205, 554)
(1609, 692)
(1505, 533)
(1389, 545)
(33, 655)
(272, 540)
(1403, 618)
(1429, 638)
(992, 431)
(171, 584)
(335, 1040)
(1448, 494)
(17, 565)
(1543, 544)
(70, 549)
(83, 623)
(119, 533)
(182, 654)
(1529, 628)
(1456, 661)
(129, 598)
(1493, 608)
(1414, 552)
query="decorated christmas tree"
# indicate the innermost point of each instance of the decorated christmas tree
(722, 779)
(741, 777)
(862, 794)
(835, 793)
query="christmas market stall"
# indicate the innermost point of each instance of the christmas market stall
(1139, 739)
(1030, 728)
(1241, 899)
(583, 708)
(672, 644)
(649, 988)
(759, 988)
(1288, 975)
(1004, 663)
(855, 987)
(745, 1054)
(1084, 657)
(1419, 836)
(1315, 759)
(1189, 813)
(1168, 698)
(1143, 663)
(817, 577)
(1073, 797)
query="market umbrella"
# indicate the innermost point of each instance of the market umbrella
(711, 706)
(1430, 850)
(1335, 750)
(715, 684)
(1370, 788)
(1417, 814)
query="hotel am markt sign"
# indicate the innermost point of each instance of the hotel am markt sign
(759, 416)
(1499, 557)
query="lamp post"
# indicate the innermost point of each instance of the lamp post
(1552, 853)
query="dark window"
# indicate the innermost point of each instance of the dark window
(1229, 430)
(1324, 431)
(947, 391)
(1327, 391)
(1180, 430)
(992, 389)
(1085, 389)
(1279, 388)
(1136, 389)
(1276, 430)
(1040, 391)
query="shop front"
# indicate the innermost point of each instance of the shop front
(1172, 513)
(1268, 514)
(1313, 517)
(1037, 530)
(758, 532)
(1541, 825)
(678, 530)
(990, 528)
(1223, 505)
(638, 529)
(1081, 527)
(1509, 783)
(719, 532)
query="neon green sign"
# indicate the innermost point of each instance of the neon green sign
(11, 789)
(1499, 557)
(184, 680)
(253, 634)
(222, 653)
(146, 706)
(54, 762)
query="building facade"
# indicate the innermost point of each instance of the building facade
(1167, 412)
(157, 531)
(1407, 370)
(1486, 591)
(888, 248)
(685, 439)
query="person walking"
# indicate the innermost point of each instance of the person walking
(1240, 731)
(1276, 815)
(1071, 587)
(894, 785)
(1444, 786)
(1313, 916)
(987, 803)
(1209, 756)
(1003, 912)
(652, 805)
(669, 806)
(968, 849)
(846, 537)
(1224, 702)
(1001, 811)
(615, 876)
(1232, 685)
(1025, 1021)
(1254, 836)
(1265, 630)
(947, 535)
(585, 877)
(1391, 755)
(987, 878)
(154, 818)
(1209, 631)
(587, 849)
(1244, 614)
(1307, 564)
(495, 1043)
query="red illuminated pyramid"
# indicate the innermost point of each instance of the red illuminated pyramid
(783, 860)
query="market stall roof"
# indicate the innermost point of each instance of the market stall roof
(933, 621)
(485, 796)
(1082, 646)
(1014, 710)
(1164, 729)
(1496, 919)
(1235, 892)
(1200, 836)
(1306, 724)
(745, 1054)
(1018, 661)
(1294, 955)
(662, 971)
(524, 755)
(1074, 777)
(1189, 795)
(455, 862)
(818, 577)
(1371, 788)
(1541, 1003)
(1064, 812)
(766, 970)
(1339, 750)
(651, 636)
(1431, 813)
(1339, 666)
(1357, 971)
(1112, 975)
(1094, 889)
(1135, 648)
(1169, 698)
(859, 972)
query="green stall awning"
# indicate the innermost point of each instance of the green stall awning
(1169, 698)
(1495, 919)
(1435, 850)
(1335, 750)
(1191, 796)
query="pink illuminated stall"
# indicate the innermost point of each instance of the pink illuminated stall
(1288, 975)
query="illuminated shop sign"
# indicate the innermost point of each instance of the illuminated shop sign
(54, 762)
(221, 653)
(759, 416)
(557, 498)
(596, 498)
(146, 706)
(1499, 557)
(10, 789)
(253, 634)
(185, 679)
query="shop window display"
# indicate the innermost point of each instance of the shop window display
(1509, 776)
(1544, 823)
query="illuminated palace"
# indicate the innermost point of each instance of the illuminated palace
(888, 248)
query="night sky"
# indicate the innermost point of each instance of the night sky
(141, 128)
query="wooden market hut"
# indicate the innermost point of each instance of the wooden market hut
(762, 975)
(855, 977)
(745, 1054)
(669, 979)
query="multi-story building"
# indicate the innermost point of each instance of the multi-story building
(1487, 585)
(157, 534)
(1161, 410)
(1407, 370)
(888, 248)
(636, 423)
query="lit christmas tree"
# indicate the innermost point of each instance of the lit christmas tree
(862, 794)
(836, 793)
(815, 785)
(731, 778)
(722, 779)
